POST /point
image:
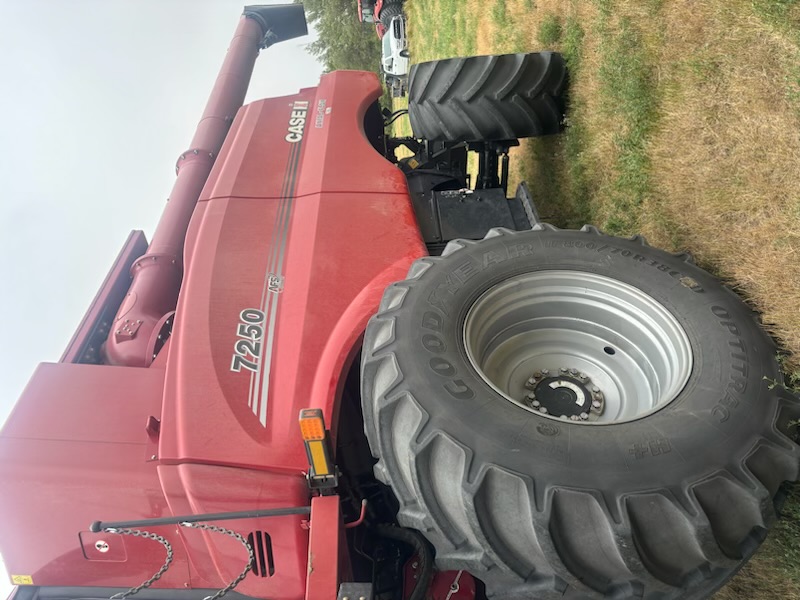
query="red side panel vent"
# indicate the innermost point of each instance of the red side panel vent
(260, 542)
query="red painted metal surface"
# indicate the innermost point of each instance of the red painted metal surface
(72, 451)
(324, 546)
(216, 559)
(315, 204)
(309, 259)
(157, 274)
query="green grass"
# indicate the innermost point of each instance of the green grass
(783, 14)
(499, 14)
(784, 17)
(786, 536)
(627, 92)
(554, 166)
(550, 30)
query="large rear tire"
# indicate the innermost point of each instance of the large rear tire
(661, 491)
(488, 98)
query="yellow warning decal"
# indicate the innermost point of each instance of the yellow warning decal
(22, 580)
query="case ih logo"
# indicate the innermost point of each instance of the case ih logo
(297, 121)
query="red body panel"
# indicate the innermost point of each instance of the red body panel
(305, 222)
(75, 447)
(322, 581)
(331, 279)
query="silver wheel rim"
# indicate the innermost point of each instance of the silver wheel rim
(549, 332)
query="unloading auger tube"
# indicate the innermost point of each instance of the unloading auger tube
(157, 274)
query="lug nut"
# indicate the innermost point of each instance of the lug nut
(585, 416)
(596, 404)
(536, 404)
(545, 372)
(564, 370)
(595, 389)
(542, 410)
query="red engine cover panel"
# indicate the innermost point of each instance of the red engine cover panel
(74, 451)
(301, 226)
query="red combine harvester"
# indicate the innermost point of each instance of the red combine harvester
(380, 12)
(336, 374)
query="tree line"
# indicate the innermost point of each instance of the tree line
(344, 42)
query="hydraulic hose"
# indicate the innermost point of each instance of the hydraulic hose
(421, 548)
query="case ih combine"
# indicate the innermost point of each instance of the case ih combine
(335, 374)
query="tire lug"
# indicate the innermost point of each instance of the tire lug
(595, 389)
(543, 410)
(596, 404)
(536, 404)
(584, 416)
(564, 370)
(545, 372)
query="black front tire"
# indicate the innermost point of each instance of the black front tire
(664, 507)
(488, 98)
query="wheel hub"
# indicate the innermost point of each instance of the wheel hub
(578, 346)
(565, 393)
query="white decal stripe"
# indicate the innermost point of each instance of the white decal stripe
(267, 357)
(261, 380)
(268, 347)
(255, 378)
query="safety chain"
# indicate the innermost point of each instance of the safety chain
(151, 536)
(163, 541)
(237, 536)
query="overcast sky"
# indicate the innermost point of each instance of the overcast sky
(98, 98)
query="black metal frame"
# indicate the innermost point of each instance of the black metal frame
(224, 516)
(446, 205)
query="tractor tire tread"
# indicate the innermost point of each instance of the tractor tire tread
(519, 535)
(488, 98)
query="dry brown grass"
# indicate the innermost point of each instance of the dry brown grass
(726, 157)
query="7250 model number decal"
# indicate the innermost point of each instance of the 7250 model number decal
(247, 349)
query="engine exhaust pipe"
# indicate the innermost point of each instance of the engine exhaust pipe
(157, 274)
